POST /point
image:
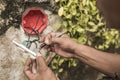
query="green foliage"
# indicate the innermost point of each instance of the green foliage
(59, 63)
(82, 19)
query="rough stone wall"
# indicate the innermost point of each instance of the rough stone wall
(11, 58)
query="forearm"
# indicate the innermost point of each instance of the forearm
(104, 62)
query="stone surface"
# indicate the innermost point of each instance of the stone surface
(11, 57)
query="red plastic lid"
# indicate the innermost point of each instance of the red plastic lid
(34, 20)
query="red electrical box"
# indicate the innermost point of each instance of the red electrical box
(34, 20)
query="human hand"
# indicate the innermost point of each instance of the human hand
(64, 45)
(38, 70)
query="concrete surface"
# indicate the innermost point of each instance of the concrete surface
(11, 58)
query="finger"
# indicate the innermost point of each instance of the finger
(53, 34)
(48, 39)
(27, 70)
(27, 64)
(34, 67)
(57, 40)
(50, 49)
(42, 39)
(41, 64)
(63, 53)
(46, 47)
(65, 36)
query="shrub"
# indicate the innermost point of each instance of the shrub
(82, 19)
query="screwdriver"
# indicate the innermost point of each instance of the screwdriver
(31, 53)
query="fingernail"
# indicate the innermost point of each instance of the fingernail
(46, 41)
(40, 39)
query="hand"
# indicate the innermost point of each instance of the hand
(39, 71)
(64, 45)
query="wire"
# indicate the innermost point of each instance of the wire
(30, 42)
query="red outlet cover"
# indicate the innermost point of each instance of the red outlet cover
(34, 21)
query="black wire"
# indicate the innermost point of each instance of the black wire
(36, 32)
(33, 41)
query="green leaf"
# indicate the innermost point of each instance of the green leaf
(84, 2)
(91, 23)
(61, 61)
(57, 0)
(69, 3)
(60, 70)
(54, 67)
(101, 47)
(58, 25)
(80, 30)
(69, 16)
(60, 11)
(65, 23)
(73, 12)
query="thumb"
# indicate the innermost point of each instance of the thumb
(27, 71)
(41, 64)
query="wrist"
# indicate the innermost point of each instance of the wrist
(75, 48)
